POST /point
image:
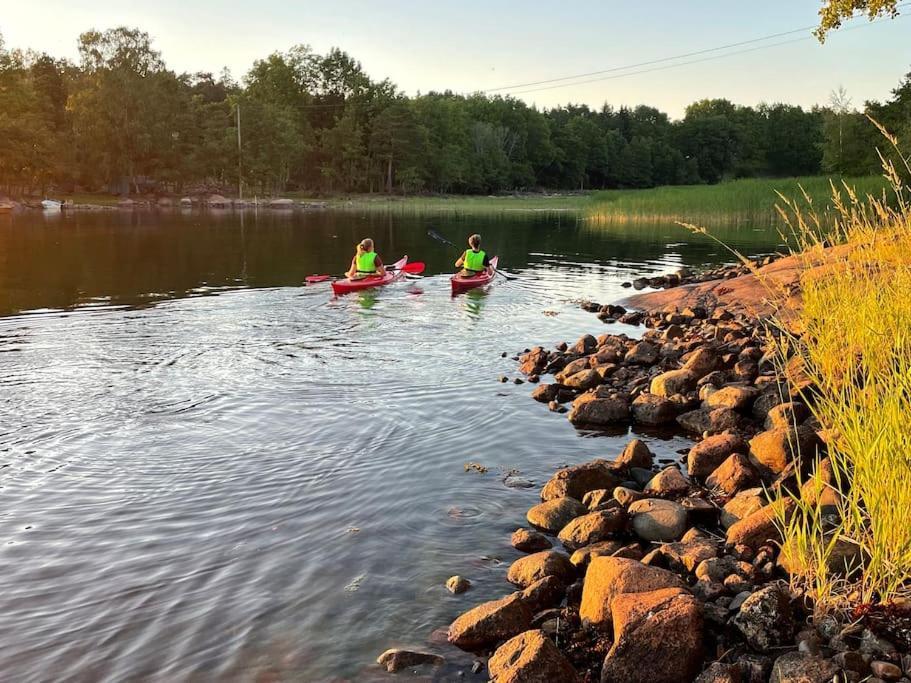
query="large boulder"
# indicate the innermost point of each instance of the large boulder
(653, 411)
(800, 667)
(686, 555)
(657, 638)
(590, 410)
(761, 526)
(554, 514)
(733, 397)
(709, 453)
(526, 570)
(490, 623)
(673, 382)
(766, 619)
(659, 520)
(608, 577)
(572, 368)
(777, 448)
(786, 415)
(636, 454)
(530, 657)
(577, 480)
(592, 528)
(733, 475)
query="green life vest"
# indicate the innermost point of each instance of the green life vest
(366, 263)
(474, 260)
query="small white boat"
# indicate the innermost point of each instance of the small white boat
(51, 205)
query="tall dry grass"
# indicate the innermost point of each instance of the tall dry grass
(854, 344)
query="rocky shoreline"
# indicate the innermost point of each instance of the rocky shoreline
(640, 573)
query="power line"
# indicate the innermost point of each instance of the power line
(669, 59)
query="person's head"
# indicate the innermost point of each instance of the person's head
(365, 246)
(474, 241)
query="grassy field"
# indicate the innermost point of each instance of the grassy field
(747, 199)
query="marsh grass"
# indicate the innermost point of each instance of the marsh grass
(750, 199)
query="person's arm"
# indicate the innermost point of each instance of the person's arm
(380, 268)
(352, 270)
(487, 263)
(458, 264)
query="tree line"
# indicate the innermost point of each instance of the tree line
(120, 120)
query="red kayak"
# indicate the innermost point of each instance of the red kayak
(463, 284)
(394, 273)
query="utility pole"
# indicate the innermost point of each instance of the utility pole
(240, 160)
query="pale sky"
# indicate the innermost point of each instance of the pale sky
(472, 45)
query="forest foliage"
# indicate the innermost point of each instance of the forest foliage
(120, 120)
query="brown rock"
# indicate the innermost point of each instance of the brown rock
(786, 415)
(544, 593)
(626, 496)
(777, 448)
(655, 519)
(766, 619)
(643, 353)
(583, 556)
(585, 345)
(713, 421)
(533, 362)
(608, 577)
(886, 670)
(668, 482)
(686, 556)
(709, 453)
(554, 514)
(577, 480)
(595, 499)
(526, 570)
(702, 361)
(720, 673)
(545, 393)
(797, 667)
(530, 657)
(657, 638)
(673, 382)
(742, 505)
(572, 368)
(592, 528)
(589, 410)
(653, 411)
(733, 397)
(530, 541)
(490, 623)
(457, 584)
(636, 454)
(733, 475)
(397, 659)
(583, 380)
(761, 526)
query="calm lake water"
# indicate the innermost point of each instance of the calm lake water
(211, 472)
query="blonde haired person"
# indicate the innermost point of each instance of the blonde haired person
(366, 262)
(474, 260)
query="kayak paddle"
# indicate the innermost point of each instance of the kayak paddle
(415, 268)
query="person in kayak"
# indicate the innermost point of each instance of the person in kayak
(474, 261)
(366, 262)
